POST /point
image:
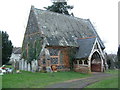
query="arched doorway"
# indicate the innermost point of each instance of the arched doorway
(96, 62)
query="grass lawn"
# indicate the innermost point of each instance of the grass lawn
(0, 82)
(107, 83)
(111, 82)
(111, 71)
(37, 79)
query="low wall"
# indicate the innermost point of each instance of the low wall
(81, 68)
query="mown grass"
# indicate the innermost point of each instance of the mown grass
(0, 82)
(37, 79)
(107, 83)
(111, 82)
(112, 71)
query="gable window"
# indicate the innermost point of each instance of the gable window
(96, 46)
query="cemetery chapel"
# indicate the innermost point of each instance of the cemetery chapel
(63, 41)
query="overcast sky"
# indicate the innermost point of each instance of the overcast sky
(102, 13)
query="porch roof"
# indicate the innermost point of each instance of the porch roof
(85, 47)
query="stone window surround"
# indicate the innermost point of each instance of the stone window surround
(83, 62)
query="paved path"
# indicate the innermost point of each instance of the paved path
(80, 83)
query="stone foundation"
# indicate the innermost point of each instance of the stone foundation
(82, 69)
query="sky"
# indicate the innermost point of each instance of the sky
(102, 13)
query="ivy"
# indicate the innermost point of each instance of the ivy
(24, 53)
(38, 47)
(71, 53)
(32, 51)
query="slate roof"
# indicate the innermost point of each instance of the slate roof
(85, 47)
(63, 30)
(17, 50)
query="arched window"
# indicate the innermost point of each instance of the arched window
(44, 62)
(75, 62)
(96, 46)
(80, 62)
(86, 62)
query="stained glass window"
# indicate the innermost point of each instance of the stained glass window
(54, 52)
(61, 58)
(54, 60)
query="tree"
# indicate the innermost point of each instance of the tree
(118, 53)
(71, 53)
(6, 47)
(60, 7)
(112, 61)
(118, 57)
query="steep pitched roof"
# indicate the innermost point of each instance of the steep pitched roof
(85, 47)
(62, 30)
(17, 50)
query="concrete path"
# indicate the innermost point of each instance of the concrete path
(81, 83)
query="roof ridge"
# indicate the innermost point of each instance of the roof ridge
(16, 49)
(34, 8)
(87, 37)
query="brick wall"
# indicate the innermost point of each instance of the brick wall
(82, 69)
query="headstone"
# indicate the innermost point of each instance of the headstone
(25, 65)
(14, 62)
(36, 63)
(32, 64)
(22, 68)
(20, 64)
(16, 65)
(28, 67)
(48, 69)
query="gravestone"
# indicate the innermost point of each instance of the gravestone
(22, 62)
(25, 65)
(28, 67)
(13, 64)
(48, 69)
(36, 64)
(16, 65)
(33, 66)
